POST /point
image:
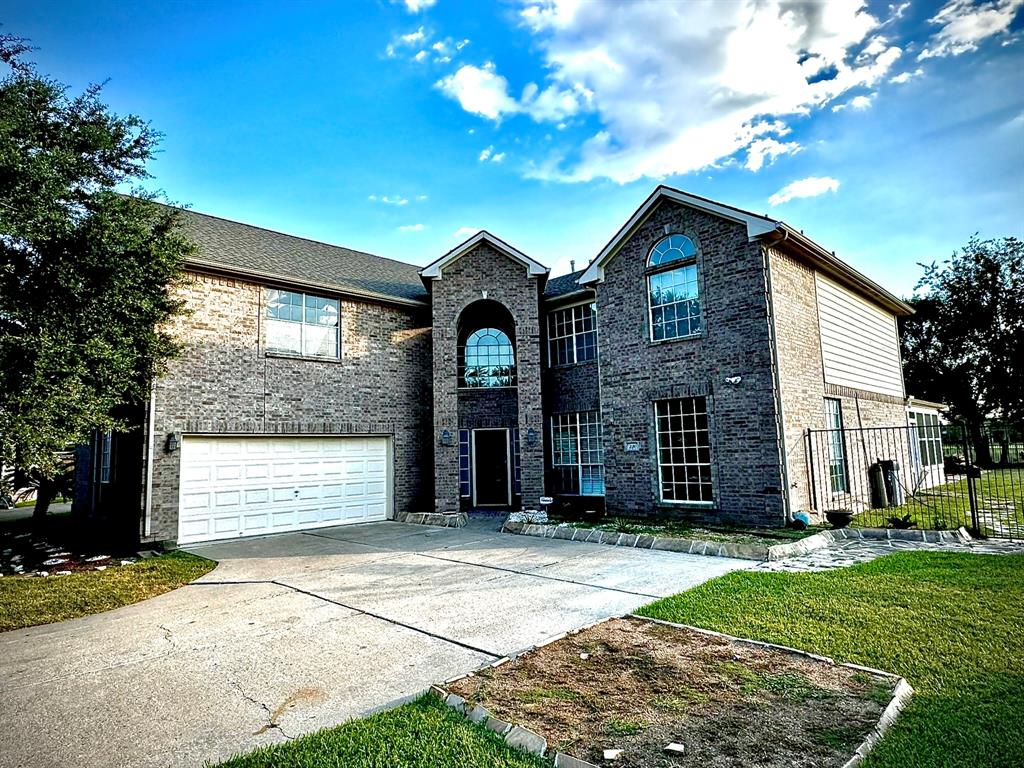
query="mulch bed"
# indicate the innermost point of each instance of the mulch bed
(28, 554)
(637, 686)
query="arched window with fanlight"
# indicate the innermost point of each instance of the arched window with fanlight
(673, 289)
(487, 359)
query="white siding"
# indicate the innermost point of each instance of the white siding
(859, 343)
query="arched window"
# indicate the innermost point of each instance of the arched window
(487, 360)
(673, 289)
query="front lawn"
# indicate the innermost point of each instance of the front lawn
(421, 734)
(952, 624)
(29, 600)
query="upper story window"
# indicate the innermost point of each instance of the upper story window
(674, 289)
(303, 324)
(487, 360)
(572, 335)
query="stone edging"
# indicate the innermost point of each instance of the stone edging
(528, 741)
(445, 520)
(758, 552)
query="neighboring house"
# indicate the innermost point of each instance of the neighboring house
(678, 373)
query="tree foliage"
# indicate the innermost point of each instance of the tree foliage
(87, 275)
(965, 344)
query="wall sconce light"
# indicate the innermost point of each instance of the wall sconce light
(173, 442)
(531, 436)
(446, 437)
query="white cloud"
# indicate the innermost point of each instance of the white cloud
(966, 23)
(497, 157)
(464, 232)
(420, 56)
(857, 102)
(679, 87)
(479, 91)
(766, 150)
(812, 186)
(486, 153)
(411, 228)
(415, 6)
(389, 200)
(906, 77)
(414, 37)
(420, 198)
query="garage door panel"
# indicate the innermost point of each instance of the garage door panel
(245, 486)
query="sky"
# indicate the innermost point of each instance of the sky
(887, 132)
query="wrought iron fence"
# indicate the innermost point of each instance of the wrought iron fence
(919, 476)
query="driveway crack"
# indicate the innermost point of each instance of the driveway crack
(271, 715)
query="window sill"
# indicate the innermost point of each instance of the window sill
(305, 358)
(483, 389)
(658, 342)
(688, 504)
(563, 366)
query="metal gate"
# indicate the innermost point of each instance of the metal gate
(921, 476)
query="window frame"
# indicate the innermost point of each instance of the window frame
(104, 467)
(573, 422)
(574, 310)
(653, 270)
(834, 446)
(461, 366)
(660, 446)
(302, 323)
(927, 428)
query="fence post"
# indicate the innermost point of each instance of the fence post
(972, 492)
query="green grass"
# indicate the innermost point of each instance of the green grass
(421, 734)
(952, 624)
(27, 600)
(947, 506)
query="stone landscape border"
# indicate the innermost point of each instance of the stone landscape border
(442, 519)
(758, 552)
(528, 741)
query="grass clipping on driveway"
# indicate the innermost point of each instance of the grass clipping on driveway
(26, 601)
(637, 686)
(952, 624)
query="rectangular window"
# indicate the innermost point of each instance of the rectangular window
(302, 324)
(684, 449)
(675, 303)
(838, 478)
(106, 442)
(517, 464)
(572, 335)
(929, 437)
(464, 486)
(577, 453)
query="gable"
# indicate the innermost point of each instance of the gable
(435, 269)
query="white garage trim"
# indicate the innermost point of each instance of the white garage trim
(254, 485)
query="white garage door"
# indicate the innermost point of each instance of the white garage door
(248, 486)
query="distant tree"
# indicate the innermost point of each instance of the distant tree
(965, 344)
(87, 275)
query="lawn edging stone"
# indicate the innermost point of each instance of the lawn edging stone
(440, 519)
(525, 739)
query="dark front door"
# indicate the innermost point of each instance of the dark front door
(490, 462)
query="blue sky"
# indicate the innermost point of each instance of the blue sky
(888, 132)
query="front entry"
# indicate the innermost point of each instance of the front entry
(491, 480)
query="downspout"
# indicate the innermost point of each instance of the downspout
(147, 525)
(776, 376)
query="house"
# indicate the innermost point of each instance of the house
(679, 374)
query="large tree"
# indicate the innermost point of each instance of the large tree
(87, 275)
(965, 344)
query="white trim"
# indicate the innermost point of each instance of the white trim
(473, 464)
(756, 225)
(433, 270)
(147, 524)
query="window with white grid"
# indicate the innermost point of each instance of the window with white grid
(837, 475)
(572, 335)
(674, 293)
(577, 454)
(302, 324)
(684, 450)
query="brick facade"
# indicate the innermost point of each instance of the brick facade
(464, 282)
(224, 383)
(635, 372)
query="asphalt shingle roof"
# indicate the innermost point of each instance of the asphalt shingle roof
(264, 253)
(563, 284)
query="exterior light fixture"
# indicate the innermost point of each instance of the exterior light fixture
(446, 437)
(531, 436)
(173, 442)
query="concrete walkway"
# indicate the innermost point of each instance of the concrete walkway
(296, 632)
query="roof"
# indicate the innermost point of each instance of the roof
(563, 285)
(242, 249)
(758, 227)
(433, 270)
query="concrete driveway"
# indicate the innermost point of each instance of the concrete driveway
(295, 632)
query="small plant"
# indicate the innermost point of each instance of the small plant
(903, 523)
(617, 727)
